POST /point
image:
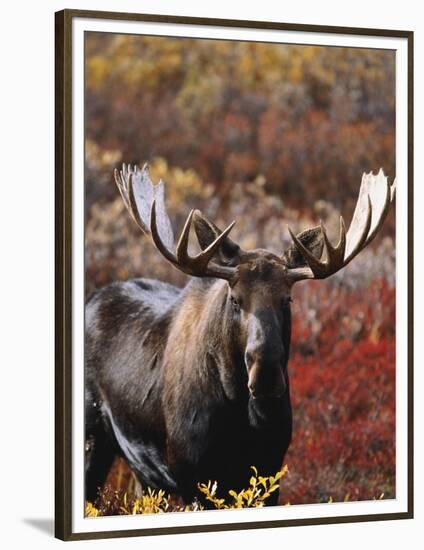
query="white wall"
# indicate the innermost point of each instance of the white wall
(27, 297)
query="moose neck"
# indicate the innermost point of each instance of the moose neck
(204, 336)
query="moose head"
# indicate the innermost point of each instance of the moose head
(258, 282)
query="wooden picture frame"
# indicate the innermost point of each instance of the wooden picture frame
(66, 318)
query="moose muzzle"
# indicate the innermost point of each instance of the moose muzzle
(265, 356)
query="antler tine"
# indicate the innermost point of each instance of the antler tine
(210, 250)
(202, 262)
(335, 254)
(199, 265)
(133, 210)
(390, 190)
(314, 263)
(204, 257)
(362, 240)
(374, 199)
(340, 249)
(182, 246)
(138, 191)
(120, 184)
(157, 239)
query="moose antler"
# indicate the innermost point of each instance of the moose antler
(145, 202)
(375, 196)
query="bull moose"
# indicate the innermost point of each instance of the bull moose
(192, 384)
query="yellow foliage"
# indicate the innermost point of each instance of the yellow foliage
(97, 70)
(150, 503)
(254, 496)
(155, 502)
(181, 184)
(91, 511)
(102, 158)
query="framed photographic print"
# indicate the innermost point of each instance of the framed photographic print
(233, 274)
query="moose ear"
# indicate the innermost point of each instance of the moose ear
(313, 240)
(206, 231)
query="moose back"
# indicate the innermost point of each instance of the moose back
(190, 385)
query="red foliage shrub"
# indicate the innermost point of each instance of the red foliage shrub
(343, 393)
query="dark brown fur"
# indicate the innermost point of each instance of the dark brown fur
(190, 385)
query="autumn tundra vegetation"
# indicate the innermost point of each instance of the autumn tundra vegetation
(268, 135)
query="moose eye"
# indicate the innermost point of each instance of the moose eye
(235, 303)
(285, 302)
